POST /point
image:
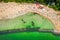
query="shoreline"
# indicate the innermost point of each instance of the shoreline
(12, 10)
(28, 30)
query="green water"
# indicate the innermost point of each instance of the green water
(29, 36)
(39, 21)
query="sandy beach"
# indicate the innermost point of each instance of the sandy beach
(12, 10)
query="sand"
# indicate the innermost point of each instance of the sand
(12, 10)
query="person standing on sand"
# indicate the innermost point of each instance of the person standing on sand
(38, 5)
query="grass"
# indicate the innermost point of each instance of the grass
(26, 20)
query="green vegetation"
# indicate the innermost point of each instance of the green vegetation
(27, 20)
(55, 4)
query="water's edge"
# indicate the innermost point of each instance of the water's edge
(28, 30)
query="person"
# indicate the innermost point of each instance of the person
(38, 5)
